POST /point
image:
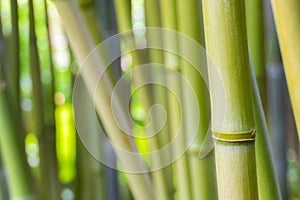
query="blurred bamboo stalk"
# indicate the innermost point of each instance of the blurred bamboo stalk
(13, 60)
(12, 145)
(255, 33)
(123, 14)
(287, 20)
(82, 44)
(226, 42)
(90, 172)
(44, 129)
(175, 119)
(202, 171)
(159, 93)
(13, 150)
(278, 123)
(98, 170)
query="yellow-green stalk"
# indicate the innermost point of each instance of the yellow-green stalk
(48, 168)
(202, 171)
(82, 44)
(226, 43)
(268, 188)
(12, 150)
(255, 32)
(159, 93)
(175, 119)
(123, 12)
(287, 20)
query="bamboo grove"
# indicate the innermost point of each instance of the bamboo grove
(149, 99)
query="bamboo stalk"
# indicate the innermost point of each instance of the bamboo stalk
(110, 188)
(289, 41)
(82, 44)
(226, 42)
(159, 93)
(12, 146)
(202, 171)
(45, 134)
(123, 12)
(13, 152)
(91, 182)
(180, 166)
(12, 46)
(255, 32)
(278, 101)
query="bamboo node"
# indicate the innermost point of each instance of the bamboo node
(234, 137)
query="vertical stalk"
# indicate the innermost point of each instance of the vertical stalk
(81, 43)
(202, 171)
(226, 42)
(12, 151)
(13, 60)
(123, 12)
(278, 101)
(289, 41)
(45, 134)
(255, 32)
(180, 166)
(159, 93)
(12, 146)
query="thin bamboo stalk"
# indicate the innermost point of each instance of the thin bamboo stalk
(226, 42)
(289, 41)
(81, 43)
(13, 152)
(88, 11)
(202, 171)
(48, 168)
(159, 93)
(12, 146)
(180, 166)
(123, 14)
(3, 183)
(278, 102)
(91, 182)
(255, 33)
(12, 47)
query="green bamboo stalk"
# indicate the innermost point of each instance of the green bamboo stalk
(81, 43)
(13, 151)
(255, 33)
(48, 168)
(90, 181)
(123, 14)
(13, 60)
(181, 169)
(12, 146)
(3, 183)
(277, 101)
(202, 171)
(226, 42)
(159, 93)
(289, 41)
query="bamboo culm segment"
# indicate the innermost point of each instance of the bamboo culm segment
(227, 49)
(235, 169)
